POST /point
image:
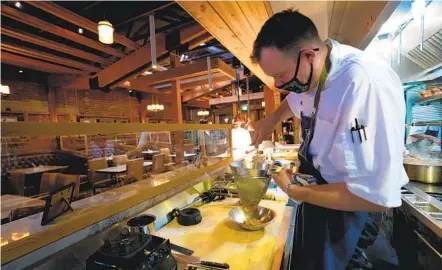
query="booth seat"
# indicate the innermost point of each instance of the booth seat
(10, 162)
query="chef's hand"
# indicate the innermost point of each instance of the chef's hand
(263, 130)
(283, 178)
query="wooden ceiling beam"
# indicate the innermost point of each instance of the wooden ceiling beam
(223, 21)
(48, 57)
(231, 99)
(74, 18)
(190, 85)
(114, 75)
(150, 12)
(203, 90)
(183, 72)
(25, 62)
(198, 104)
(57, 30)
(52, 45)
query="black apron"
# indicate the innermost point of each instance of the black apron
(326, 238)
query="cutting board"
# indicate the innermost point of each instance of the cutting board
(218, 239)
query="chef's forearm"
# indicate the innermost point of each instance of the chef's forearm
(334, 196)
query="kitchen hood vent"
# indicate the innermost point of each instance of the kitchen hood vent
(431, 54)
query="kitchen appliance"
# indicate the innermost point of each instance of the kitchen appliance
(253, 220)
(252, 178)
(187, 215)
(142, 225)
(425, 171)
(417, 227)
(133, 250)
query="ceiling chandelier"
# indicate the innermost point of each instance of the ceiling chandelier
(155, 106)
(203, 113)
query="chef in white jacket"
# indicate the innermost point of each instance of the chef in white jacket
(353, 122)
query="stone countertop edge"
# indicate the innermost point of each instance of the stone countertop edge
(43, 253)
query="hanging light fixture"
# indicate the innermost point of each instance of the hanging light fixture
(155, 106)
(203, 113)
(105, 32)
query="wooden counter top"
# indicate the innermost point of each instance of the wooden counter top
(218, 239)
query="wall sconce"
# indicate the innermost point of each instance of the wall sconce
(4, 90)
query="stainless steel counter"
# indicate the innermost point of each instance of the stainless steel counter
(423, 206)
(426, 187)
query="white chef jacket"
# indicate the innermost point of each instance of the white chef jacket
(359, 86)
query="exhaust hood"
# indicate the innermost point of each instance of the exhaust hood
(414, 62)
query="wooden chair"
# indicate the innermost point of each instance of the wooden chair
(48, 182)
(98, 180)
(158, 163)
(120, 159)
(65, 179)
(135, 170)
(167, 160)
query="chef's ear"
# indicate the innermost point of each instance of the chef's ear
(309, 55)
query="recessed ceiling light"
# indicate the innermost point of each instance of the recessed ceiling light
(203, 44)
(18, 4)
(80, 30)
(147, 72)
(20, 71)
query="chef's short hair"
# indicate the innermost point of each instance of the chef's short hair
(285, 30)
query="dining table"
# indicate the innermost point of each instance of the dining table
(120, 168)
(19, 176)
(10, 202)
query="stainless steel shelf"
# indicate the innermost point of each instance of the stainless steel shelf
(429, 123)
(429, 99)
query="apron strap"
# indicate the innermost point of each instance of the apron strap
(321, 84)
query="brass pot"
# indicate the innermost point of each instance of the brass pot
(424, 172)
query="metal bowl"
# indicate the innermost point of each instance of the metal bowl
(252, 220)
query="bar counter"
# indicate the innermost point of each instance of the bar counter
(25, 242)
(216, 238)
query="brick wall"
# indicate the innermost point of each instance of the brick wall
(25, 97)
(32, 98)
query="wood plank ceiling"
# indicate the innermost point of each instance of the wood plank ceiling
(45, 36)
(236, 23)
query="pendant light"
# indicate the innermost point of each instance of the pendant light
(105, 32)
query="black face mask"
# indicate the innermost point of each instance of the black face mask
(294, 85)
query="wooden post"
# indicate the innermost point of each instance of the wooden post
(52, 104)
(272, 100)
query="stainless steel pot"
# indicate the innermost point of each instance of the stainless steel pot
(142, 225)
(425, 171)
